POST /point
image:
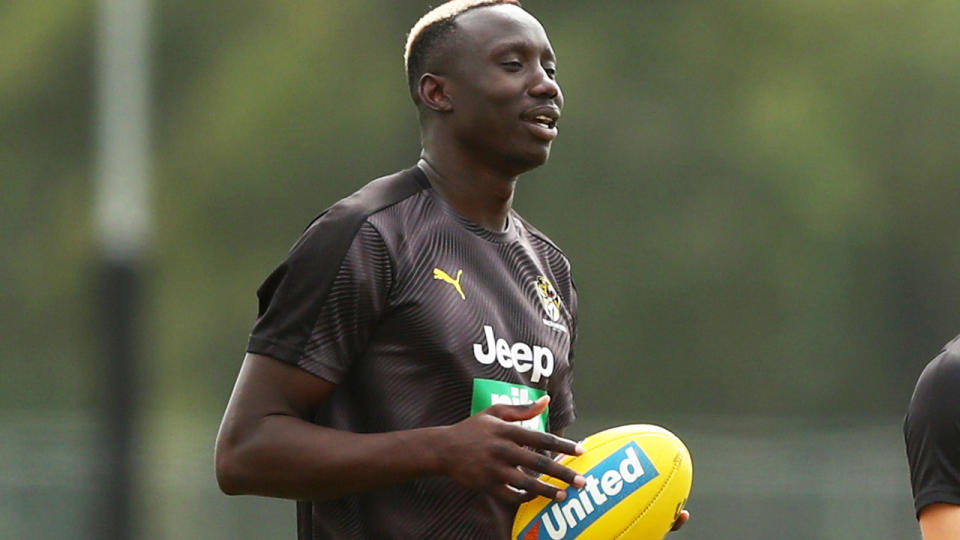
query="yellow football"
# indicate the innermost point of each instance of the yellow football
(638, 479)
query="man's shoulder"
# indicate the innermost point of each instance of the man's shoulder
(375, 196)
(332, 232)
(939, 383)
(944, 370)
(952, 351)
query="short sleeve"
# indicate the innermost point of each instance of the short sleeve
(932, 432)
(318, 310)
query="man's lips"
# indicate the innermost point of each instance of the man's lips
(543, 120)
(546, 115)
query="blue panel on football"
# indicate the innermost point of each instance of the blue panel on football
(612, 480)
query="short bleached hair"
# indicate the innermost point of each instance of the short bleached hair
(429, 32)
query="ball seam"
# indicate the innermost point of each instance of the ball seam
(677, 460)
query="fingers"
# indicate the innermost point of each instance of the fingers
(534, 439)
(681, 519)
(520, 459)
(515, 413)
(516, 448)
(545, 441)
(542, 464)
(511, 495)
(515, 478)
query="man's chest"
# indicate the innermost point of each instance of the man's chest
(494, 304)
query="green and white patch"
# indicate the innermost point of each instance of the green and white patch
(487, 392)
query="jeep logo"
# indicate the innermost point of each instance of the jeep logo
(519, 356)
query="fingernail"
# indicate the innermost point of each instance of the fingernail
(561, 495)
(579, 481)
(580, 449)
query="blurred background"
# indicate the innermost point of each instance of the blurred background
(759, 199)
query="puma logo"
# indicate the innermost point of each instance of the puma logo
(441, 275)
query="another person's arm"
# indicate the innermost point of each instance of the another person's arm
(940, 522)
(268, 446)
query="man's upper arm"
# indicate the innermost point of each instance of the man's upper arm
(266, 387)
(940, 522)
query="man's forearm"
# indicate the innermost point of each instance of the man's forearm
(288, 457)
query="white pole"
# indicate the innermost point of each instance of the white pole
(122, 206)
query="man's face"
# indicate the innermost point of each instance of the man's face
(503, 87)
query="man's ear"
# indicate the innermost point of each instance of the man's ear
(433, 92)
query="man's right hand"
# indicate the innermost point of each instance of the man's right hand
(486, 452)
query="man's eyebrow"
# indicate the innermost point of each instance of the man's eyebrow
(517, 45)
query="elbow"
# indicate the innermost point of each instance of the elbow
(228, 470)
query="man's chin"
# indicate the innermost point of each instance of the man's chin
(530, 160)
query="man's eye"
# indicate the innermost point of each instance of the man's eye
(512, 65)
(552, 72)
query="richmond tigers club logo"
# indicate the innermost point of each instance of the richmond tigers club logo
(549, 298)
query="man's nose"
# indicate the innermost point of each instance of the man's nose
(545, 85)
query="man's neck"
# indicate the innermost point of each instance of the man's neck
(477, 193)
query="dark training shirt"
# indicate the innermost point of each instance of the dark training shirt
(421, 318)
(932, 431)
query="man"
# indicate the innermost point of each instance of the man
(932, 432)
(400, 371)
